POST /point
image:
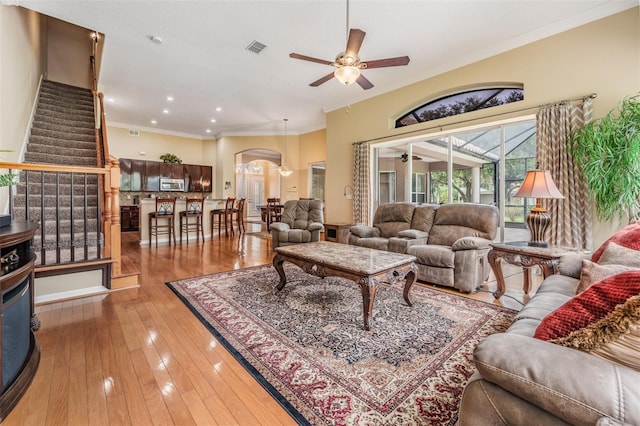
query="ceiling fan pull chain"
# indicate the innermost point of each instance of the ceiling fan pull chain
(347, 32)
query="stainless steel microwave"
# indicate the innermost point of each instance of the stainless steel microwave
(171, 185)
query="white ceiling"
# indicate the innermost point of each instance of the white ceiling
(202, 61)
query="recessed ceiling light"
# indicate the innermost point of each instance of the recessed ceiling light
(110, 100)
(154, 122)
(170, 98)
(208, 130)
(218, 109)
(165, 111)
(213, 120)
(155, 39)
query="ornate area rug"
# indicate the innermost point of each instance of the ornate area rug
(307, 346)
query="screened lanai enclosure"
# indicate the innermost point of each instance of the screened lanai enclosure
(485, 165)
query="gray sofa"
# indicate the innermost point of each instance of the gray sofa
(450, 241)
(522, 380)
(301, 222)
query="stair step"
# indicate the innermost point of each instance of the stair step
(42, 126)
(35, 214)
(59, 134)
(64, 178)
(68, 114)
(36, 189)
(62, 123)
(51, 98)
(64, 227)
(87, 152)
(53, 201)
(50, 85)
(37, 157)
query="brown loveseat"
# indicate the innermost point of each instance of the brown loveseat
(450, 241)
(590, 374)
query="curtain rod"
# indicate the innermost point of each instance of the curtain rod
(592, 95)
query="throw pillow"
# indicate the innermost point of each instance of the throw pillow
(615, 337)
(593, 304)
(629, 237)
(620, 255)
(594, 272)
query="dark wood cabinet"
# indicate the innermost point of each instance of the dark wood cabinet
(144, 176)
(152, 178)
(138, 175)
(129, 218)
(125, 174)
(20, 353)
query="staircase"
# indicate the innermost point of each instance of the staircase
(66, 204)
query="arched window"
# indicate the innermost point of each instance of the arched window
(461, 102)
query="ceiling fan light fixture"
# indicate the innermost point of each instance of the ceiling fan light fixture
(283, 169)
(347, 74)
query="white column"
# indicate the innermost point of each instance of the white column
(475, 184)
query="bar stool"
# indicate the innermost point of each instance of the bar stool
(223, 215)
(165, 210)
(193, 211)
(238, 211)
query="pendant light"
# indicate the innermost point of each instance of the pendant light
(284, 170)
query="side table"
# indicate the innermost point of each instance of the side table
(521, 254)
(337, 232)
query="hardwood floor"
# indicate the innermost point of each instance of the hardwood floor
(140, 357)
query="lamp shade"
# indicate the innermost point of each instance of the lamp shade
(347, 74)
(538, 184)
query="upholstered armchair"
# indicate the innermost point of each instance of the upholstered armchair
(301, 223)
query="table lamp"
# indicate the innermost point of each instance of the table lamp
(538, 184)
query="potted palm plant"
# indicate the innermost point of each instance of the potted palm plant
(608, 152)
(6, 179)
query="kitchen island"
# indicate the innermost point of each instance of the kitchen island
(148, 205)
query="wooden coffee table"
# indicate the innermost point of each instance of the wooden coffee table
(364, 266)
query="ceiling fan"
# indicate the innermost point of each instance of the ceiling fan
(348, 64)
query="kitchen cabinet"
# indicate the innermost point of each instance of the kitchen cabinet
(129, 218)
(153, 176)
(138, 175)
(125, 174)
(144, 176)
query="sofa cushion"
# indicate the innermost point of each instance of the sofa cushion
(458, 220)
(615, 337)
(413, 233)
(377, 243)
(294, 236)
(620, 255)
(629, 237)
(542, 305)
(423, 217)
(393, 218)
(591, 305)
(433, 255)
(558, 283)
(594, 272)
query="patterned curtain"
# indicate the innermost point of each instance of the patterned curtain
(571, 216)
(361, 183)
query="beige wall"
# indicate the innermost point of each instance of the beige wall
(22, 61)
(313, 149)
(601, 57)
(229, 146)
(69, 50)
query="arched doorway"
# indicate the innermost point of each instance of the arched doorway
(257, 178)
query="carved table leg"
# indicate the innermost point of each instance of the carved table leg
(369, 286)
(410, 279)
(277, 264)
(495, 261)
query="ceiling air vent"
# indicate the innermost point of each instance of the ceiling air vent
(134, 132)
(256, 47)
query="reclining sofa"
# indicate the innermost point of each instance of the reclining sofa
(572, 354)
(450, 241)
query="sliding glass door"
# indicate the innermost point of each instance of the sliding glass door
(485, 165)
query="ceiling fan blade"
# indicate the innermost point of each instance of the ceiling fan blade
(364, 83)
(353, 44)
(322, 80)
(389, 62)
(309, 58)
